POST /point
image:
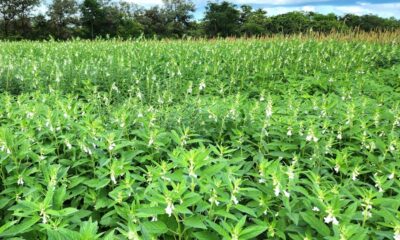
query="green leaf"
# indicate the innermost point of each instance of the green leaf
(316, 224)
(97, 183)
(155, 227)
(206, 235)
(62, 234)
(212, 170)
(225, 214)
(7, 225)
(252, 231)
(89, 230)
(62, 213)
(245, 209)
(182, 210)
(20, 228)
(4, 201)
(59, 197)
(194, 222)
(150, 211)
(218, 229)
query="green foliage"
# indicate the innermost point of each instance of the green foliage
(173, 19)
(289, 138)
(221, 19)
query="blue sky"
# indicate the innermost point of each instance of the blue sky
(383, 8)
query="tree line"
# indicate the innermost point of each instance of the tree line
(90, 19)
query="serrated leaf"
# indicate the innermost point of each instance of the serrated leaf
(194, 222)
(22, 227)
(157, 227)
(252, 231)
(316, 224)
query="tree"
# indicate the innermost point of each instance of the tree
(179, 16)
(41, 27)
(91, 15)
(24, 9)
(153, 21)
(221, 19)
(13, 10)
(324, 23)
(8, 10)
(129, 26)
(63, 17)
(253, 22)
(101, 19)
(289, 23)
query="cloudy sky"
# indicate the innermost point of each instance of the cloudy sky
(383, 8)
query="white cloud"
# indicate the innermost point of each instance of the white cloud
(308, 9)
(145, 2)
(261, 2)
(41, 9)
(277, 2)
(360, 8)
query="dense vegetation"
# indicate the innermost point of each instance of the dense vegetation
(89, 19)
(283, 138)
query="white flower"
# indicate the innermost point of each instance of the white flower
(354, 175)
(133, 235)
(311, 137)
(139, 95)
(68, 144)
(202, 86)
(339, 136)
(396, 235)
(234, 199)
(315, 209)
(268, 110)
(29, 115)
(169, 209)
(192, 174)
(392, 148)
(391, 176)
(366, 213)
(337, 168)
(20, 181)
(277, 190)
(154, 219)
(151, 141)
(377, 185)
(43, 215)
(289, 132)
(331, 219)
(112, 176)
(111, 146)
(287, 194)
(213, 199)
(290, 173)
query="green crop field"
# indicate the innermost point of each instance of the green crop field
(281, 138)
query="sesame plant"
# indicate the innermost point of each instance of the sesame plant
(290, 138)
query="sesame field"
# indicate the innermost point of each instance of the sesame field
(281, 138)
